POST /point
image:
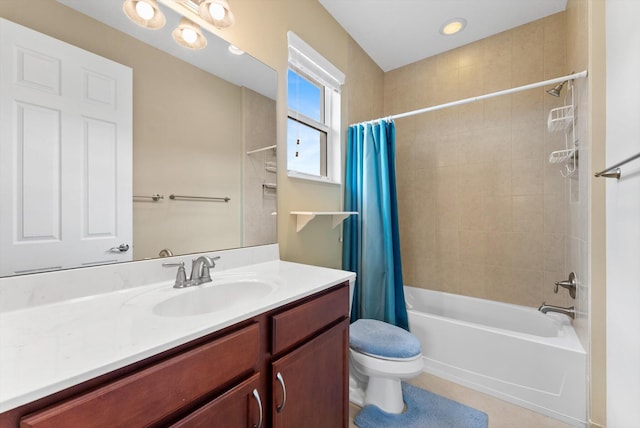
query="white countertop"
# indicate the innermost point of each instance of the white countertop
(47, 348)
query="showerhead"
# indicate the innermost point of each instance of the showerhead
(555, 91)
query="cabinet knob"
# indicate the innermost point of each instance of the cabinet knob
(256, 395)
(280, 407)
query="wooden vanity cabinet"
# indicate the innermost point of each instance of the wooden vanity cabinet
(310, 369)
(313, 377)
(156, 393)
(235, 378)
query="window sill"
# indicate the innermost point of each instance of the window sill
(310, 177)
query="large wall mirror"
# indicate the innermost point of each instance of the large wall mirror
(203, 129)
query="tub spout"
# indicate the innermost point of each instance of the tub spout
(570, 311)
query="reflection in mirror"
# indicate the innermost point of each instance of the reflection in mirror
(203, 124)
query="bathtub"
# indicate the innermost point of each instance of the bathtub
(512, 352)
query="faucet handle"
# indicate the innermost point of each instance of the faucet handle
(569, 284)
(181, 275)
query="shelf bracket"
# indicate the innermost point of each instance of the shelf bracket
(304, 217)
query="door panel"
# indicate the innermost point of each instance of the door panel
(65, 154)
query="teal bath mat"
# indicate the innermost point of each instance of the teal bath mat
(424, 410)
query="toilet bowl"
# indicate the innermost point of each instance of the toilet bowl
(380, 357)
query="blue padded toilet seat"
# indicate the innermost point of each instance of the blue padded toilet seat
(380, 339)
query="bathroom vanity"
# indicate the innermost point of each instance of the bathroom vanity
(280, 360)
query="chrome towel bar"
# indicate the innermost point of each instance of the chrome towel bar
(199, 198)
(608, 173)
(154, 198)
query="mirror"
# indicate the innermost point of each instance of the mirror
(204, 125)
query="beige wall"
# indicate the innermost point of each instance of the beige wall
(482, 212)
(194, 153)
(261, 29)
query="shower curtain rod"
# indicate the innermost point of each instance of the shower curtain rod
(484, 97)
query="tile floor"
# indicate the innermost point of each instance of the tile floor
(501, 414)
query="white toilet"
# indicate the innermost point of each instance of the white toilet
(381, 356)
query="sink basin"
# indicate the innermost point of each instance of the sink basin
(213, 297)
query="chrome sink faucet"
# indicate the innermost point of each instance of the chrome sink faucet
(570, 311)
(199, 271)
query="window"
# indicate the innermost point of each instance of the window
(313, 125)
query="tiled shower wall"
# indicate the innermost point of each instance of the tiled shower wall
(259, 203)
(482, 212)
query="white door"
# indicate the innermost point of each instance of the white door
(623, 214)
(65, 154)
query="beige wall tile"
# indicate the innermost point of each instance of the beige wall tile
(473, 246)
(471, 116)
(473, 279)
(498, 213)
(497, 112)
(554, 249)
(470, 81)
(471, 54)
(527, 142)
(498, 178)
(495, 212)
(499, 249)
(554, 213)
(526, 251)
(527, 177)
(473, 215)
(528, 213)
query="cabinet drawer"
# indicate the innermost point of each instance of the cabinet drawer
(294, 325)
(157, 391)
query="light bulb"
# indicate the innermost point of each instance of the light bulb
(217, 11)
(189, 36)
(144, 10)
(235, 50)
(453, 26)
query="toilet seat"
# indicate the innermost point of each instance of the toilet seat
(381, 340)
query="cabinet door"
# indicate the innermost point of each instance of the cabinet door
(240, 407)
(310, 383)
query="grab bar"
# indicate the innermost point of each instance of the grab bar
(616, 173)
(199, 198)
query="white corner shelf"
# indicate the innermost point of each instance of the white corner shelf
(304, 217)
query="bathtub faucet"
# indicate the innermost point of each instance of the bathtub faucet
(570, 311)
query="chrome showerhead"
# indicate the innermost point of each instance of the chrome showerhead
(555, 91)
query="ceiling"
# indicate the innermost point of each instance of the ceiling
(398, 32)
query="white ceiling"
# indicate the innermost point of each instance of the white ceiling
(398, 32)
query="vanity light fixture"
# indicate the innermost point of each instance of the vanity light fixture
(145, 13)
(189, 35)
(453, 26)
(216, 12)
(235, 50)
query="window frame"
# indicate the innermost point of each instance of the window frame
(310, 65)
(321, 126)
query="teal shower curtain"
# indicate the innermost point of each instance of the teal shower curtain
(371, 245)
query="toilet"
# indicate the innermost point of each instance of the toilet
(381, 355)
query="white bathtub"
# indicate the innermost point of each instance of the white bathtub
(511, 352)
